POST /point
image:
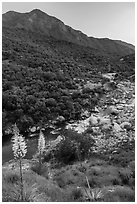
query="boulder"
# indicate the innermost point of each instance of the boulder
(116, 127)
(33, 135)
(33, 129)
(123, 119)
(96, 110)
(109, 76)
(60, 119)
(51, 145)
(85, 114)
(113, 110)
(119, 107)
(92, 86)
(126, 125)
(104, 121)
(109, 86)
(95, 130)
(93, 120)
(43, 129)
(106, 127)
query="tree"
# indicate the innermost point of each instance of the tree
(25, 122)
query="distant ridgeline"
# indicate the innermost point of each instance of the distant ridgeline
(46, 65)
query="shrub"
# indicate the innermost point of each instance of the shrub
(120, 194)
(125, 175)
(32, 194)
(115, 181)
(74, 147)
(66, 152)
(60, 181)
(41, 171)
(82, 168)
(32, 183)
(10, 192)
(55, 193)
(12, 178)
(76, 194)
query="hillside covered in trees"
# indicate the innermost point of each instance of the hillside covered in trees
(44, 78)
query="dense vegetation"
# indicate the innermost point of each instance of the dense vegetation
(44, 78)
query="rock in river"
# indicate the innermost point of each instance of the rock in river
(125, 125)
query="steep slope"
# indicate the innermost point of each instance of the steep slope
(125, 44)
(40, 22)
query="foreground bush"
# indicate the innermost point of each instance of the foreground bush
(74, 147)
(41, 171)
(120, 194)
(36, 189)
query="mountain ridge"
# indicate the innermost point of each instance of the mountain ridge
(38, 21)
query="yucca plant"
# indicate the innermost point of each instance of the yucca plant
(19, 148)
(41, 148)
(92, 194)
(96, 194)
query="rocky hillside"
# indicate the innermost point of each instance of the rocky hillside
(113, 122)
(40, 22)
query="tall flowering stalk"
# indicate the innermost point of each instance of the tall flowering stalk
(41, 147)
(19, 148)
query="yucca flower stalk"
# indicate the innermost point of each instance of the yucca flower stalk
(41, 148)
(19, 148)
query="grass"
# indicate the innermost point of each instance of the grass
(68, 182)
(126, 175)
(98, 175)
(12, 178)
(43, 171)
(36, 188)
(76, 194)
(39, 189)
(120, 194)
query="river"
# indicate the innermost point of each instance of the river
(32, 142)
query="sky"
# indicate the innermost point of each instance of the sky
(114, 20)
